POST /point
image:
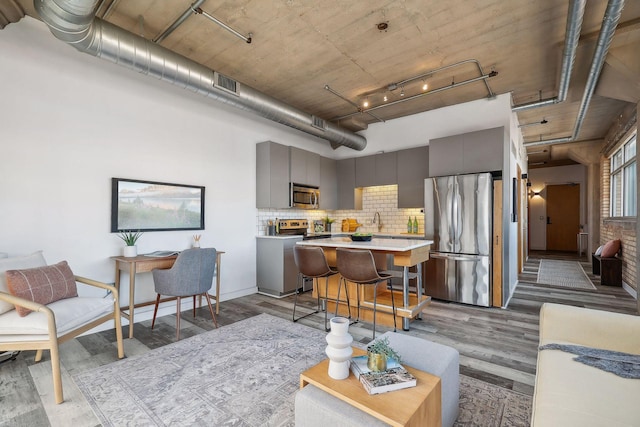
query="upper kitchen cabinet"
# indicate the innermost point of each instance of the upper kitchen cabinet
(272, 175)
(305, 167)
(412, 170)
(328, 184)
(379, 169)
(473, 152)
(349, 197)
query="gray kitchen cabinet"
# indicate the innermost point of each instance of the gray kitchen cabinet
(305, 167)
(272, 175)
(349, 197)
(379, 169)
(413, 169)
(328, 184)
(276, 271)
(365, 171)
(473, 152)
(386, 168)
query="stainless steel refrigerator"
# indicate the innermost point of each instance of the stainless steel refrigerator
(458, 218)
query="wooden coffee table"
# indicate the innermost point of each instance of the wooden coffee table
(415, 406)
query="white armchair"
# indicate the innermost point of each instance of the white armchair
(47, 326)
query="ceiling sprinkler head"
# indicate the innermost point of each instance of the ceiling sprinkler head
(382, 26)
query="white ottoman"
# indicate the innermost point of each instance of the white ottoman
(315, 408)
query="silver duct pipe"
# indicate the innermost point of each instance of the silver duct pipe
(572, 35)
(607, 31)
(73, 22)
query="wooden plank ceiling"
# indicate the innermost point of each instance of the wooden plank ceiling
(299, 46)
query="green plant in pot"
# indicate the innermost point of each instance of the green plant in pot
(130, 238)
(327, 223)
(377, 354)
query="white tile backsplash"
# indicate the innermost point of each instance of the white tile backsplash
(382, 199)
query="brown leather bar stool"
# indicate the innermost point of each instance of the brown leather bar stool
(312, 264)
(359, 267)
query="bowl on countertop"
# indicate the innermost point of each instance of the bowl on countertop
(361, 237)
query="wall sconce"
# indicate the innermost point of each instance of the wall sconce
(534, 193)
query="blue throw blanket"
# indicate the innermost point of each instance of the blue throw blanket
(624, 365)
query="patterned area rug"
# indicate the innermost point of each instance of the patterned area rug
(568, 274)
(245, 374)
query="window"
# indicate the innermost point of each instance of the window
(623, 180)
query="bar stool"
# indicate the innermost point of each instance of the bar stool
(312, 264)
(359, 267)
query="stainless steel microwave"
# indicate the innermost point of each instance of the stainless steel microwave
(304, 196)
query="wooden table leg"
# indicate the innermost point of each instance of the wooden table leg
(132, 287)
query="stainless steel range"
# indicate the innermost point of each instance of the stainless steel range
(293, 227)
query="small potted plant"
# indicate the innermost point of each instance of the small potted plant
(327, 223)
(130, 238)
(377, 354)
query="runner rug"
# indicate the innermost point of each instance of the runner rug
(245, 374)
(568, 274)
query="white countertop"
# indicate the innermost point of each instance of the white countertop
(376, 244)
(280, 236)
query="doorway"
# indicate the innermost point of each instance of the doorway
(563, 217)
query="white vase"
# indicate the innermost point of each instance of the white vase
(130, 251)
(339, 348)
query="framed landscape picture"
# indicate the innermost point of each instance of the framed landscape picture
(155, 206)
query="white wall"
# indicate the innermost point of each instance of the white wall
(539, 179)
(71, 122)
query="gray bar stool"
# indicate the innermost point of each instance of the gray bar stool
(312, 264)
(359, 267)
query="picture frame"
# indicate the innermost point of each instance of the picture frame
(138, 205)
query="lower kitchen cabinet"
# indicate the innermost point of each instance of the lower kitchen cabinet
(276, 270)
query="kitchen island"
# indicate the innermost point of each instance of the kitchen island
(406, 253)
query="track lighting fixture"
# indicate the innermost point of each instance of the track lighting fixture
(425, 86)
(402, 91)
(385, 98)
(365, 104)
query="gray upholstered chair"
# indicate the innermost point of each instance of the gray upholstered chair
(190, 275)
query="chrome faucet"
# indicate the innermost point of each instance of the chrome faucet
(377, 214)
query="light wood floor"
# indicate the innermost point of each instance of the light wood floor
(495, 345)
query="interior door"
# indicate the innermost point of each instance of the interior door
(563, 217)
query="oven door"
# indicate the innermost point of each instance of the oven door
(304, 197)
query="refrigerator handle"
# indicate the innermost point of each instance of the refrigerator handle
(455, 257)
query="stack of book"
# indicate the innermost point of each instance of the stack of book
(395, 377)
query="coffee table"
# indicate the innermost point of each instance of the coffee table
(414, 406)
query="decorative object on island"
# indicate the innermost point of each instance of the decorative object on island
(196, 240)
(361, 237)
(377, 354)
(130, 238)
(339, 348)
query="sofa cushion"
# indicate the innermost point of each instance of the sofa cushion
(69, 313)
(610, 249)
(570, 393)
(43, 285)
(14, 263)
(599, 250)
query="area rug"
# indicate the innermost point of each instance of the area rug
(245, 374)
(568, 274)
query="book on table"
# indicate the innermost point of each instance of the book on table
(395, 377)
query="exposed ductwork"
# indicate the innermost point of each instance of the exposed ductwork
(74, 22)
(607, 31)
(571, 38)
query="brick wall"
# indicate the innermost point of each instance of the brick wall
(615, 229)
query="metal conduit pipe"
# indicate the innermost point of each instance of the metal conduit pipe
(607, 31)
(571, 38)
(187, 13)
(73, 21)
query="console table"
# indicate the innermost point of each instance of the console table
(144, 264)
